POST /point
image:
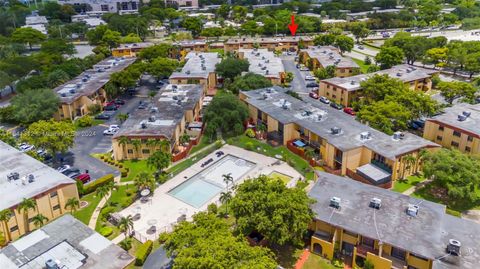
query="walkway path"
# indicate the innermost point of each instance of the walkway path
(416, 187)
(118, 239)
(93, 220)
(303, 258)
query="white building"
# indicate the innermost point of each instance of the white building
(105, 6)
(36, 22)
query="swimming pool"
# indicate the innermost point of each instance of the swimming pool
(203, 186)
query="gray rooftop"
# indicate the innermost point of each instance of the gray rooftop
(138, 45)
(13, 192)
(91, 80)
(349, 137)
(263, 62)
(198, 65)
(190, 43)
(68, 241)
(327, 56)
(163, 115)
(450, 117)
(426, 234)
(403, 72)
(264, 40)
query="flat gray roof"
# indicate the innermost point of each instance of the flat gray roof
(263, 62)
(260, 40)
(327, 56)
(450, 117)
(138, 45)
(90, 81)
(68, 241)
(403, 72)
(426, 235)
(13, 192)
(190, 43)
(349, 137)
(162, 116)
(198, 65)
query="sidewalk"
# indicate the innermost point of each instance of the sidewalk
(93, 220)
(416, 187)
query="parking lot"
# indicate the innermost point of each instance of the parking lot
(298, 84)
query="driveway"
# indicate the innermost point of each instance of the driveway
(298, 83)
(158, 260)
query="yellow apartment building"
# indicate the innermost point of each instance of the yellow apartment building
(87, 89)
(323, 56)
(166, 118)
(24, 177)
(287, 43)
(357, 222)
(345, 90)
(188, 46)
(130, 50)
(457, 127)
(198, 69)
(341, 144)
(264, 62)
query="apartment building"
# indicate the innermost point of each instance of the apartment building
(341, 144)
(345, 90)
(287, 43)
(169, 116)
(187, 46)
(130, 50)
(36, 22)
(105, 6)
(183, 3)
(457, 127)
(358, 222)
(64, 243)
(323, 56)
(87, 89)
(198, 69)
(24, 177)
(265, 63)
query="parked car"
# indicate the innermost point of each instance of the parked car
(102, 116)
(84, 178)
(24, 147)
(309, 78)
(63, 168)
(360, 47)
(142, 105)
(312, 85)
(324, 100)
(336, 106)
(313, 95)
(349, 111)
(110, 131)
(114, 126)
(71, 170)
(73, 175)
(119, 101)
(110, 108)
(304, 68)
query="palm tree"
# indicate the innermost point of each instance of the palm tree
(102, 191)
(159, 160)
(39, 220)
(420, 157)
(122, 117)
(144, 181)
(124, 141)
(225, 198)
(262, 128)
(409, 161)
(309, 154)
(227, 178)
(3, 239)
(5, 216)
(25, 206)
(126, 224)
(184, 139)
(165, 145)
(73, 204)
(136, 144)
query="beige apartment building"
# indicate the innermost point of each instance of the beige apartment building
(87, 89)
(345, 90)
(323, 56)
(287, 43)
(457, 127)
(131, 49)
(264, 62)
(24, 177)
(341, 144)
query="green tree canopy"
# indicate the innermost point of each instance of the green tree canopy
(249, 81)
(162, 67)
(344, 43)
(389, 56)
(58, 46)
(34, 105)
(267, 206)
(28, 35)
(193, 24)
(53, 136)
(457, 89)
(7, 137)
(231, 67)
(130, 38)
(387, 117)
(161, 50)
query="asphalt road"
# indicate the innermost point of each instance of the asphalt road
(158, 260)
(298, 83)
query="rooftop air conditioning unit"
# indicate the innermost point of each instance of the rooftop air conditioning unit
(143, 125)
(397, 135)
(399, 74)
(51, 264)
(466, 113)
(453, 247)
(63, 94)
(269, 90)
(31, 178)
(13, 176)
(266, 72)
(264, 68)
(187, 72)
(335, 202)
(151, 119)
(365, 135)
(375, 203)
(174, 86)
(352, 82)
(412, 210)
(204, 67)
(78, 85)
(335, 130)
(72, 91)
(263, 57)
(320, 117)
(462, 117)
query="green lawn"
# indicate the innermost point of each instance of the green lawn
(203, 143)
(221, 52)
(179, 167)
(363, 66)
(282, 177)
(317, 262)
(136, 167)
(403, 185)
(84, 214)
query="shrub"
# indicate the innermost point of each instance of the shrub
(102, 157)
(212, 208)
(249, 146)
(142, 252)
(163, 237)
(124, 172)
(85, 121)
(126, 244)
(106, 211)
(126, 201)
(250, 133)
(94, 109)
(92, 186)
(106, 231)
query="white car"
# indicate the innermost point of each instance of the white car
(114, 127)
(24, 147)
(324, 100)
(63, 168)
(110, 131)
(304, 68)
(309, 78)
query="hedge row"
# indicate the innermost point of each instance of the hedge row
(123, 170)
(92, 186)
(142, 252)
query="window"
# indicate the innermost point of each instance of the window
(468, 149)
(56, 207)
(134, 5)
(368, 241)
(334, 89)
(328, 94)
(130, 151)
(334, 96)
(124, 6)
(419, 257)
(454, 144)
(440, 128)
(398, 253)
(470, 138)
(342, 70)
(14, 228)
(145, 151)
(328, 86)
(457, 133)
(439, 138)
(53, 194)
(104, 7)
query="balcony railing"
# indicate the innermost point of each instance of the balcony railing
(382, 166)
(338, 159)
(363, 249)
(323, 236)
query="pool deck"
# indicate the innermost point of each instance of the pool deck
(162, 210)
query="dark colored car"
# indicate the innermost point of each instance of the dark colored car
(119, 101)
(73, 175)
(335, 105)
(102, 116)
(110, 108)
(349, 111)
(71, 170)
(312, 85)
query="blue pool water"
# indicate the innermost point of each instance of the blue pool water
(202, 187)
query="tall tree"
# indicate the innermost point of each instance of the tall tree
(457, 89)
(125, 224)
(72, 204)
(159, 160)
(389, 56)
(193, 24)
(387, 117)
(249, 81)
(53, 136)
(5, 216)
(24, 207)
(359, 30)
(230, 67)
(34, 105)
(39, 220)
(28, 35)
(162, 67)
(344, 43)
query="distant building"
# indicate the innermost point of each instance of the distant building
(64, 243)
(193, 4)
(90, 21)
(342, 145)
(105, 6)
(36, 22)
(457, 127)
(321, 57)
(198, 69)
(287, 43)
(265, 63)
(347, 89)
(389, 229)
(187, 46)
(23, 177)
(87, 88)
(130, 49)
(174, 111)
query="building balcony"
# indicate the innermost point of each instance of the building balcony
(370, 174)
(321, 235)
(363, 249)
(338, 159)
(396, 263)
